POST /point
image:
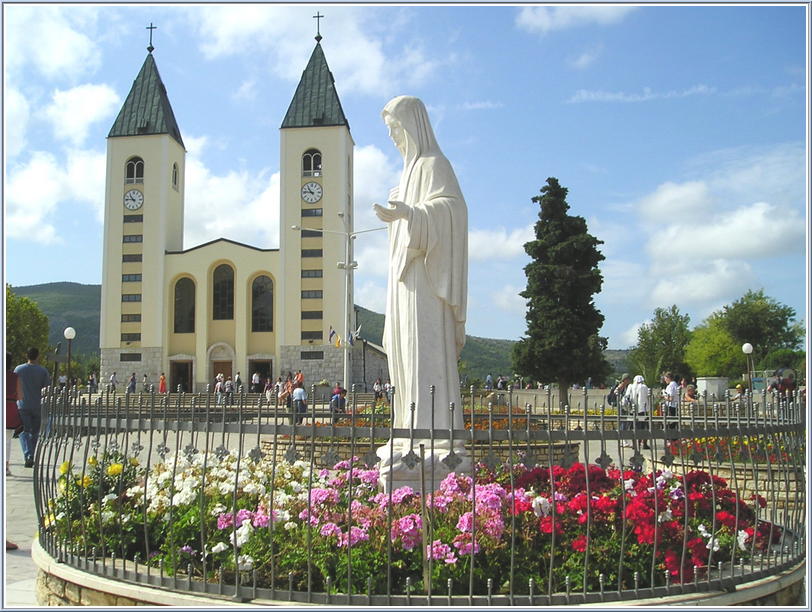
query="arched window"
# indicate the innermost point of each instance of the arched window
(262, 304)
(134, 170)
(223, 292)
(185, 306)
(311, 163)
(175, 176)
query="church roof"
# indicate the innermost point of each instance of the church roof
(146, 109)
(315, 102)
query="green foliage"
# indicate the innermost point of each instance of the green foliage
(26, 326)
(712, 351)
(761, 321)
(781, 358)
(69, 305)
(562, 342)
(661, 345)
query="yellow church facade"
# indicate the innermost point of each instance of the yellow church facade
(226, 307)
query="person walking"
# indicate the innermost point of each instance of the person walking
(637, 396)
(113, 382)
(32, 378)
(162, 383)
(131, 385)
(671, 398)
(299, 402)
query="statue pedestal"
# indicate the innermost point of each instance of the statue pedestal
(401, 464)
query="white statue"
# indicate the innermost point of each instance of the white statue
(426, 297)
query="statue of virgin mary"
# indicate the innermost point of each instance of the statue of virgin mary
(426, 300)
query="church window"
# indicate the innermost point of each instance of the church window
(312, 335)
(306, 233)
(312, 212)
(311, 163)
(223, 293)
(130, 278)
(312, 273)
(134, 170)
(129, 357)
(312, 253)
(130, 297)
(131, 257)
(133, 238)
(131, 318)
(318, 355)
(130, 337)
(133, 218)
(185, 306)
(262, 304)
(312, 314)
(312, 294)
(175, 176)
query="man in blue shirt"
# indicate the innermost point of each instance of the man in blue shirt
(31, 379)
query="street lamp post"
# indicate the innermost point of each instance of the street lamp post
(69, 334)
(348, 266)
(747, 349)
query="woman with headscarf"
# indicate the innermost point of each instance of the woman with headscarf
(637, 395)
(426, 295)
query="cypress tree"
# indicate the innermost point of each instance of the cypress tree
(562, 344)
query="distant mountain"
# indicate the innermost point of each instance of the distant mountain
(78, 306)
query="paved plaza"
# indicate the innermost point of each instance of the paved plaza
(21, 528)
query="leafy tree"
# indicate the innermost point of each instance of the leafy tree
(26, 326)
(781, 358)
(713, 351)
(661, 345)
(761, 321)
(562, 342)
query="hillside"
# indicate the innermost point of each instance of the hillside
(78, 306)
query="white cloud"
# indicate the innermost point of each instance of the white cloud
(586, 58)
(49, 39)
(481, 105)
(72, 112)
(16, 123)
(715, 280)
(284, 34)
(507, 299)
(246, 90)
(250, 199)
(544, 19)
(749, 232)
(676, 202)
(371, 295)
(629, 337)
(586, 95)
(498, 243)
(37, 188)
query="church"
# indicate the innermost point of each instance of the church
(192, 312)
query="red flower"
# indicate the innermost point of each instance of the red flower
(725, 518)
(579, 543)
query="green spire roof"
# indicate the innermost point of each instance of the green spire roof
(315, 102)
(146, 109)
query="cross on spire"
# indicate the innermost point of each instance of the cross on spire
(151, 27)
(318, 17)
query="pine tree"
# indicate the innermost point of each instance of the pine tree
(562, 343)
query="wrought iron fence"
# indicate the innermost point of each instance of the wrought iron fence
(253, 502)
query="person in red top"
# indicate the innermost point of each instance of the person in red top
(162, 384)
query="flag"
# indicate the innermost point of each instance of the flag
(331, 336)
(338, 341)
(350, 339)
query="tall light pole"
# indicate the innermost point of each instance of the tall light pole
(747, 349)
(69, 334)
(348, 266)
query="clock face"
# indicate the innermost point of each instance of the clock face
(311, 192)
(133, 199)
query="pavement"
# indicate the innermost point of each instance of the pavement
(20, 572)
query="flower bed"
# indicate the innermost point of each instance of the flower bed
(328, 529)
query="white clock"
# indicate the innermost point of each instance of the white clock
(133, 199)
(312, 192)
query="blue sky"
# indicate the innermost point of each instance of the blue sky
(679, 131)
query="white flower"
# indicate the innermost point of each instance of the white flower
(226, 488)
(290, 525)
(219, 547)
(282, 515)
(218, 509)
(541, 506)
(628, 484)
(665, 516)
(109, 497)
(703, 531)
(296, 486)
(243, 534)
(742, 537)
(107, 515)
(254, 488)
(712, 543)
(245, 563)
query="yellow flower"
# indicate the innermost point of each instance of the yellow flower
(64, 468)
(133, 460)
(114, 469)
(50, 519)
(60, 486)
(84, 481)
(92, 461)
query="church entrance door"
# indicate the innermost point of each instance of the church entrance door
(180, 373)
(220, 367)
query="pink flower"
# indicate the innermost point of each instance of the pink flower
(330, 529)
(463, 544)
(357, 534)
(319, 496)
(440, 501)
(437, 550)
(407, 529)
